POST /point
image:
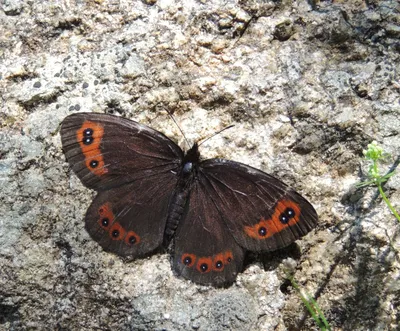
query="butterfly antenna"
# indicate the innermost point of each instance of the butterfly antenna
(218, 132)
(172, 117)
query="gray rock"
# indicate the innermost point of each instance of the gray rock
(12, 7)
(307, 84)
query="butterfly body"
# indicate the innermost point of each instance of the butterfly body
(150, 192)
(187, 174)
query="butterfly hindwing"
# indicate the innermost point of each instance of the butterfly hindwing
(130, 219)
(261, 212)
(106, 151)
(205, 251)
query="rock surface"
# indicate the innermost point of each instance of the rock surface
(308, 84)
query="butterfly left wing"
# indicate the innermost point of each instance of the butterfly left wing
(205, 251)
(260, 211)
(134, 169)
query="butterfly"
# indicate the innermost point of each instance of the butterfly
(150, 193)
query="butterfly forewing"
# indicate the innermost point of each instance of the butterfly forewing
(260, 211)
(106, 151)
(205, 250)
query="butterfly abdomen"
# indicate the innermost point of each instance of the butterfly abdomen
(176, 209)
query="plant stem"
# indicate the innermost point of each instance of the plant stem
(388, 202)
(312, 306)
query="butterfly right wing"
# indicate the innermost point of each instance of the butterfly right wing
(260, 211)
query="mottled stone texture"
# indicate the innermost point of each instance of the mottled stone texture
(308, 84)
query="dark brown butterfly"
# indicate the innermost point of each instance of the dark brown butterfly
(150, 192)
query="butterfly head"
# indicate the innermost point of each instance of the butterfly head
(192, 155)
(190, 160)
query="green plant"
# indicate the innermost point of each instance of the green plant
(375, 154)
(311, 305)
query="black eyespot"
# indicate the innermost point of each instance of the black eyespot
(132, 240)
(88, 132)
(290, 212)
(94, 164)
(115, 233)
(204, 267)
(87, 140)
(187, 260)
(218, 264)
(105, 222)
(229, 259)
(283, 218)
(262, 231)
